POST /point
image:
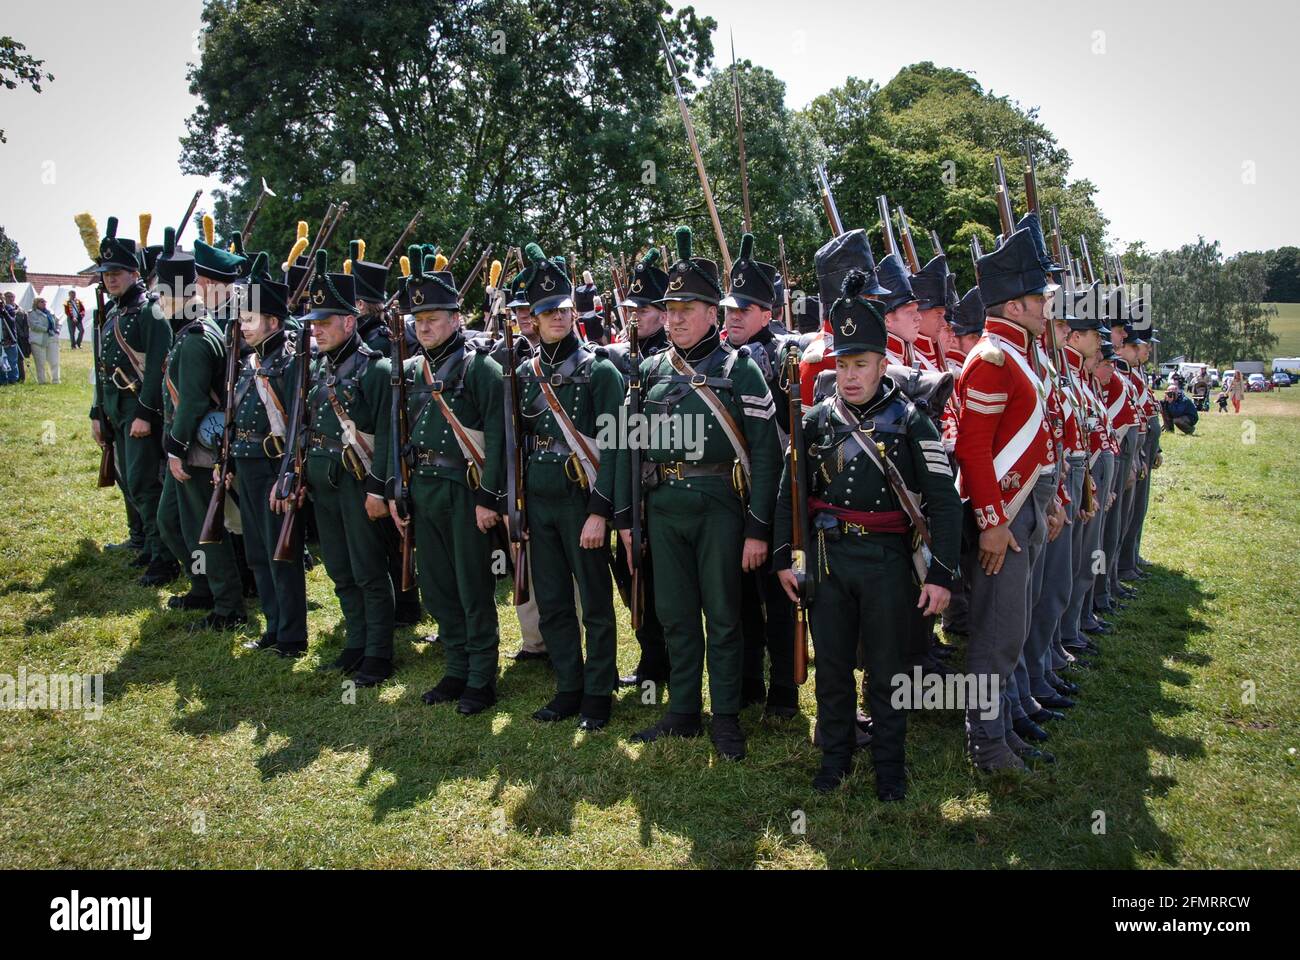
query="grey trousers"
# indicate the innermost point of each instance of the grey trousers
(1113, 535)
(1132, 542)
(1080, 609)
(999, 616)
(1053, 596)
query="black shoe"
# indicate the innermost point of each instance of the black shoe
(447, 690)
(265, 642)
(532, 655)
(373, 671)
(347, 661)
(829, 777)
(670, 725)
(594, 713)
(189, 601)
(160, 573)
(1026, 729)
(1128, 593)
(1033, 757)
(1057, 702)
(782, 703)
(1078, 662)
(562, 706)
(940, 652)
(290, 651)
(1101, 629)
(222, 621)
(752, 692)
(728, 739)
(1043, 716)
(1067, 689)
(476, 700)
(890, 786)
(125, 545)
(141, 560)
(407, 615)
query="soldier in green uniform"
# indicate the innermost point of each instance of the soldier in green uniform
(569, 390)
(133, 343)
(709, 513)
(194, 384)
(348, 408)
(263, 394)
(862, 538)
(217, 270)
(455, 450)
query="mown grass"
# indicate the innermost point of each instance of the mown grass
(207, 755)
(1287, 327)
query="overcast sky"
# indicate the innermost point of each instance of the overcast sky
(1182, 113)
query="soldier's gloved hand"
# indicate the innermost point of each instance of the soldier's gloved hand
(175, 466)
(486, 518)
(376, 506)
(593, 534)
(626, 537)
(790, 584)
(932, 601)
(140, 428)
(754, 556)
(1055, 522)
(994, 542)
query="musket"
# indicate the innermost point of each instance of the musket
(1062, 251)
(516, 498)
(464, 240)
(1087, 260)
(189, 212)
(247, 232)
(473, 274)
(107, 462)
(214, 521)
(934, 242)
(828, 202)
(410, 228)
(637, 553)
(887, 225)
(785, 284)
(975, 254)
(695, 152)
(740, 134)
(1003, 198)
(1031, 179)
(909, 245)
(399, 450)
(799, 525)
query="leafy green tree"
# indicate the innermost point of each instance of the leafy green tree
(12, 265)
(17, 67)
(1283, 275)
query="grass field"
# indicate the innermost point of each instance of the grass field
(1287, 327)
(207, 755)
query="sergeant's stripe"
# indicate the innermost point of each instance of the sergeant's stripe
(985, 408)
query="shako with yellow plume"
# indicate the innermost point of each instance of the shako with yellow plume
(215, 262)
(371, 278)
(116, 253)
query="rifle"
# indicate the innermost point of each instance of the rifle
(637, 594)
(1062, 251)
(460, 246)
(740, 134)
(107, 462)
(798, 528)
(473, 274)
(975, 254)
(400, 464)
(1003, 197)
(392, 254)
(189, 212)
(257, 208)
(289, 486)
(214, 523)
(516, 498)
(909, 245)
(785, 284)
(1087, 260)
(934, 242)
(828, 203)
(887, 226)
(695, 152)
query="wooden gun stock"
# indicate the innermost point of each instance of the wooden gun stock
(214, 522)
(799, 517)
(887, 226)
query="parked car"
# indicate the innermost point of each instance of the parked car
(1281, 379)
(1214, 377)
(1258, 383)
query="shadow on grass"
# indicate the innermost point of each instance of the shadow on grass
(90, 583)
(726, 815)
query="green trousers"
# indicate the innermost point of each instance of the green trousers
(140, 461)
(212, 567)
(281, 584)
(356, 557)
(554, 529)
(865, 603)
(696, 544)
(453, 566)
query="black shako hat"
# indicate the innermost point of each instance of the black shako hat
(330, 294)
(548, 284)
(116, 253)
(370, 279)
(894, 275)
(1031, 223)
(930, 285)
(752, 282)
(1012, 270)
(691, 278)
(174, 267)
(859, 324)
(648, 283)
(432, 289)
(263, 294)
(968, 317)
(848, 251)
(806, 309)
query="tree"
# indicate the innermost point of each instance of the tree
(12, 265)
(528, 120)
(1283, 275)
(17, 67)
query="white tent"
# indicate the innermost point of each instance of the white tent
(23, 293)
(56, 295)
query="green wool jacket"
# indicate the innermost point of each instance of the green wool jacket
(267, 367)
(193, 374)
(141, 323)
(591, 399)
(739, 385)
(363, 389)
